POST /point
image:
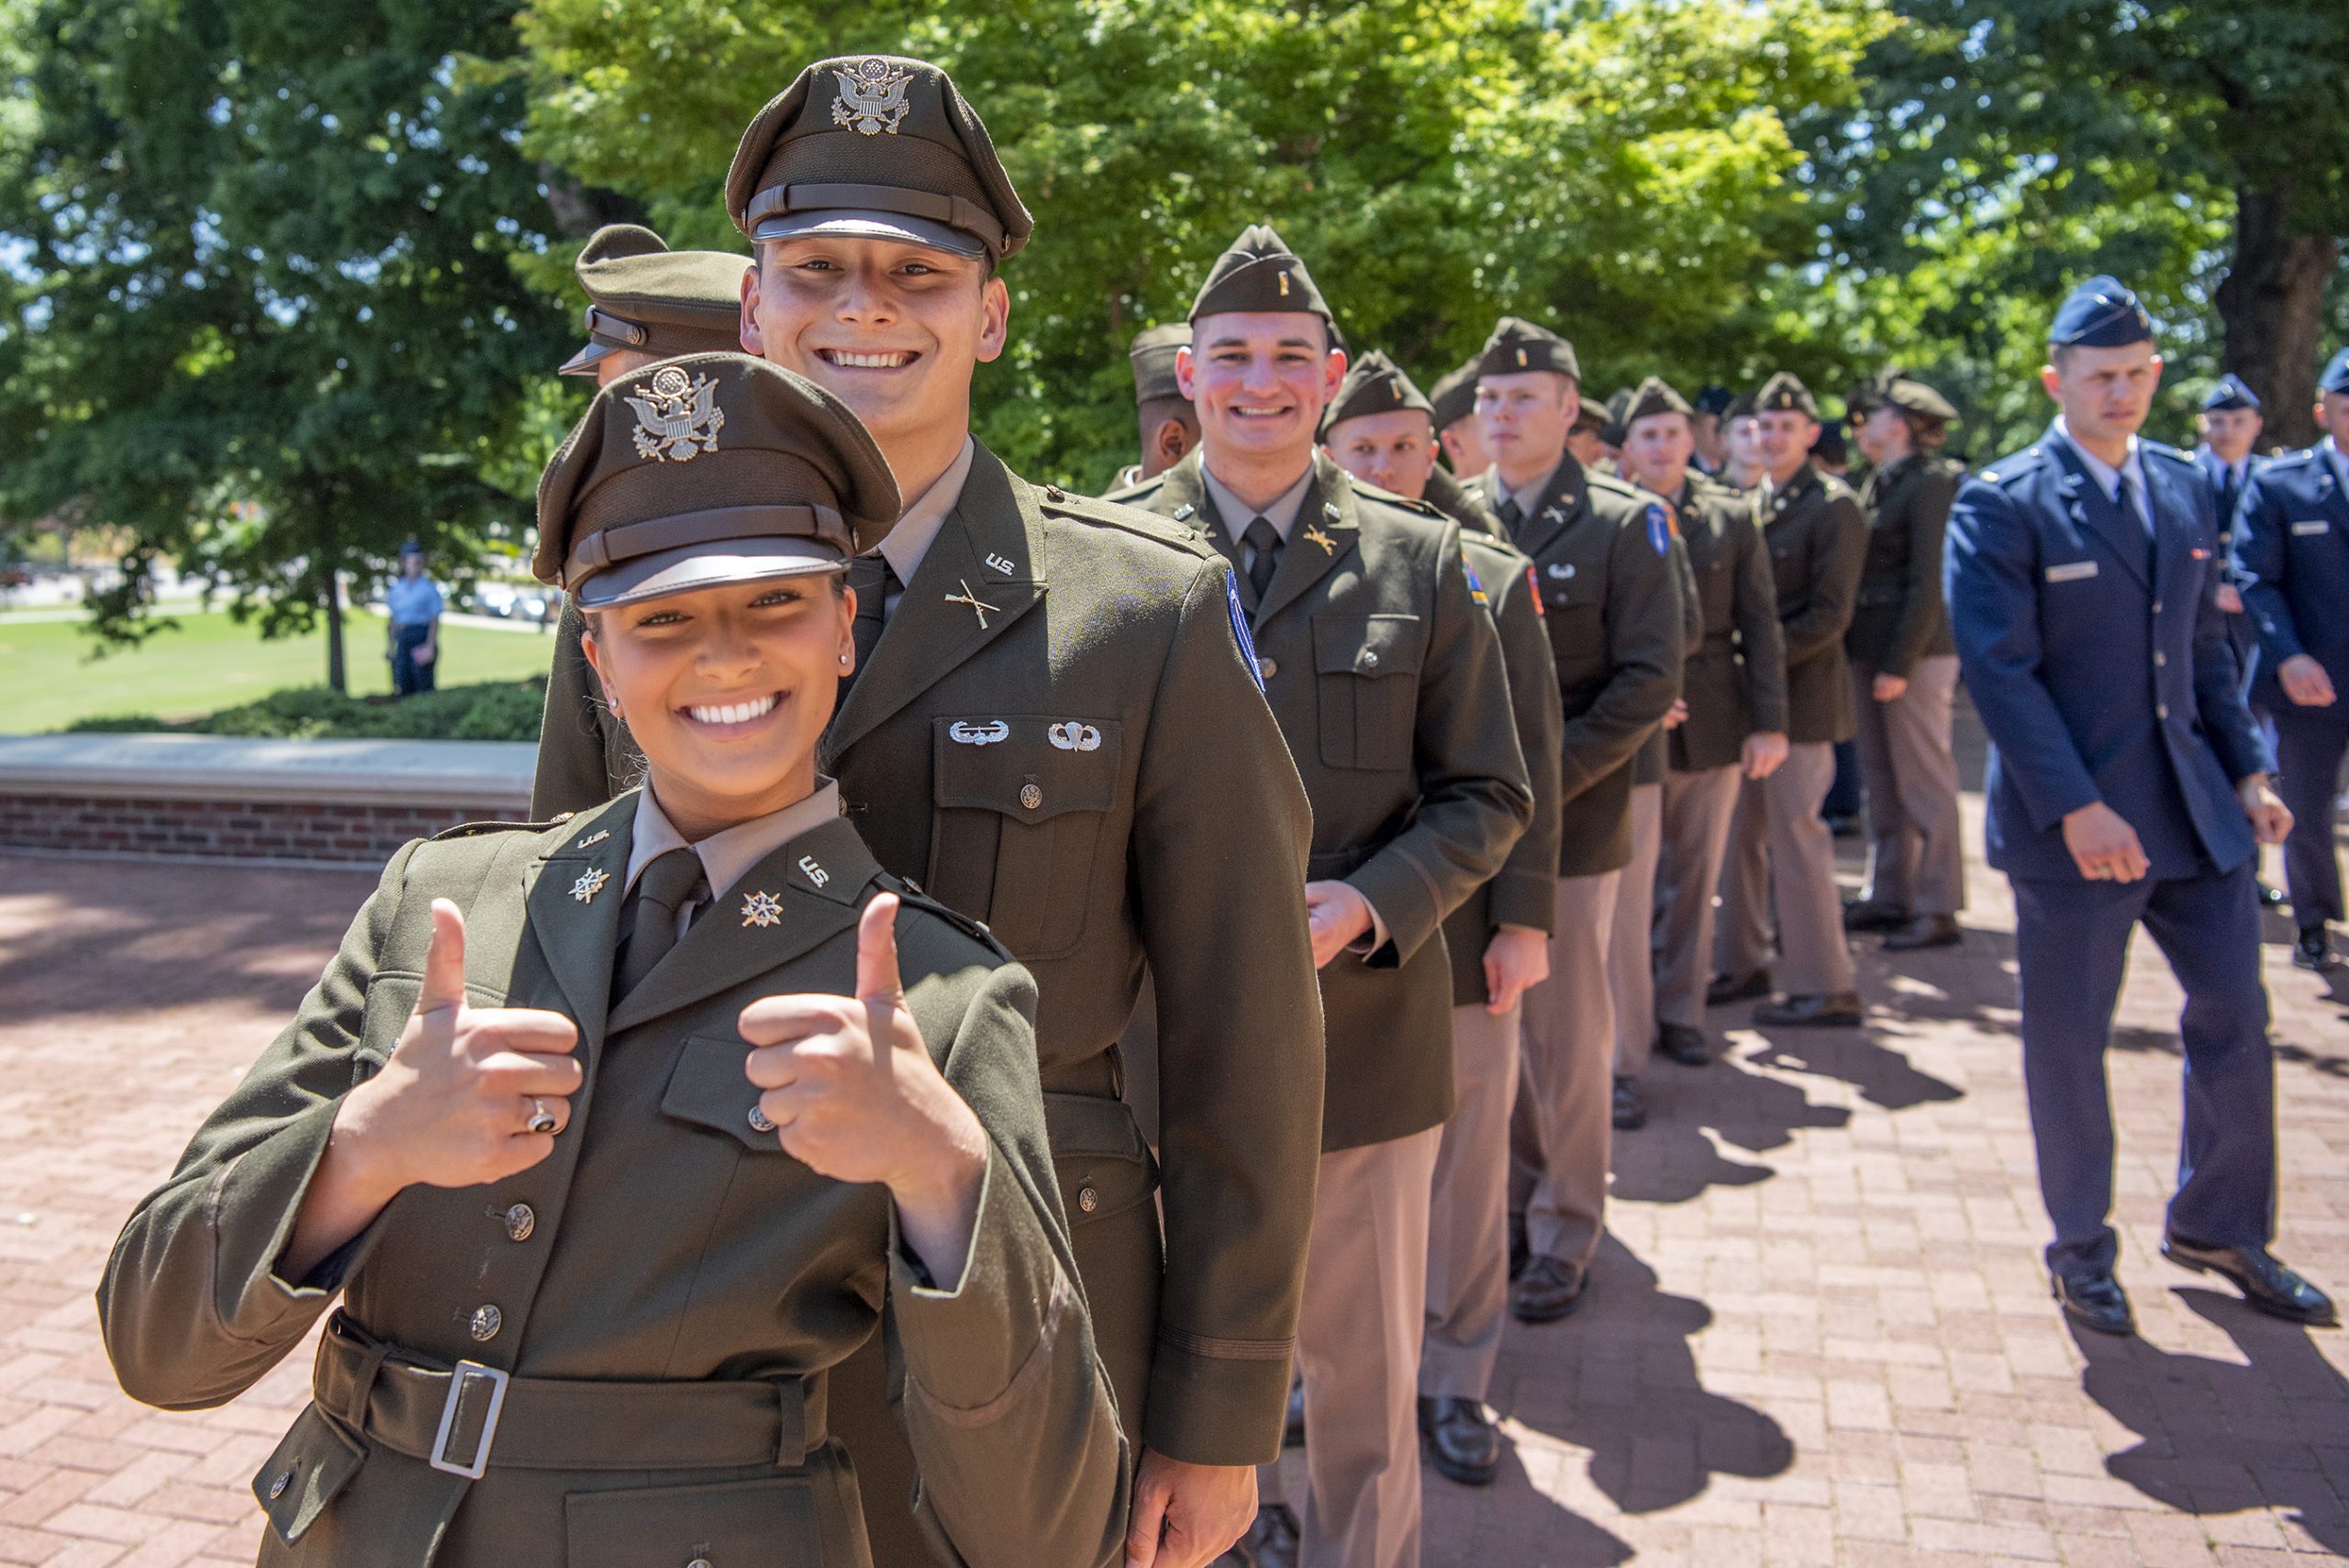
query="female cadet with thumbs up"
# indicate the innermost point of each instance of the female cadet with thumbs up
(613, 1135)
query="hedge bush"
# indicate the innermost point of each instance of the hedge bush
(487, 710)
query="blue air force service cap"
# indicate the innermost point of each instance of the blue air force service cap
(2100, 313)
(2336, 374)
(2228, 396)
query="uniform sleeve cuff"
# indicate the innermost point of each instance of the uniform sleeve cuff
(966, 1347)
(1402, 901)
(1526, 898)
(266, 1187)
(1217, 1402)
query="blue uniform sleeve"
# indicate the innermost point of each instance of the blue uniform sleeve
(1991, 573)
(2263, 535)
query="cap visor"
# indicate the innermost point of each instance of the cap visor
(872, 225)
(584, 361)
(687, 571)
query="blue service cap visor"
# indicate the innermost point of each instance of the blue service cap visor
(690, 568)
(870, 225)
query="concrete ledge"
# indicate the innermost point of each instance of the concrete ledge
(419, 774)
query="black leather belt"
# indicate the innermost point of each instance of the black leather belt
(466, 1418)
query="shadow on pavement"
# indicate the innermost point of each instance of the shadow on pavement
(1673, 1160)
(2221, 1437)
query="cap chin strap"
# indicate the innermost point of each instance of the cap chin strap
(955, 212)
(607, 547)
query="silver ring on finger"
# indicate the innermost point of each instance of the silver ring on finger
(542, 1118)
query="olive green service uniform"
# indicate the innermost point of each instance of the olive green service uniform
(1735, 686)
(1916, 857)
(1388, 681)
(620, 1355)
(1781, 853)
(1602, 551)
(1057, 734)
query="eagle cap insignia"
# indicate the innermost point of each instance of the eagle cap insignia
(677, 418)
(872, 98)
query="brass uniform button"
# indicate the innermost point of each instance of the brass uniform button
(2160, 659)
(760, 1121)
(519, 1222)
(1267, 668)
(277, 1488)
(700, 1562)
(1088, 1199)
(485, 1322)
(1030, 796)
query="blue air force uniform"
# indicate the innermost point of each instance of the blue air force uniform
(2083, 607)
(2292, 560)
(2229, 482)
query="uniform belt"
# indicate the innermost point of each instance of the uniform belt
(468, 1419)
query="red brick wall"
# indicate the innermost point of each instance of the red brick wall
(273, 830)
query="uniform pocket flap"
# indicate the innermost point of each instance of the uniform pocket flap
(1030, 770)
(311, 1464)
(1387, 644)
(770, 1522)
(707, 1087)
(1102, 1161)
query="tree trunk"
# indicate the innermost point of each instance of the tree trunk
(2272, 307)
(338, 675)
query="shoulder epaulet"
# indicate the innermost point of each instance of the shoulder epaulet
(1608, 481)
(1117, 511)
(476, 830)
(909, 892)
(2014, 466)
(2161, 449)
(2300, 459)
(1366, 491)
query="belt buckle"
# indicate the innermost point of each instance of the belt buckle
(459, 1380)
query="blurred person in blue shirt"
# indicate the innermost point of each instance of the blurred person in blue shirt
(414, 604)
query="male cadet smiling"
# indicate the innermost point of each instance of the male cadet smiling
(2127, 786)
(1052, 725)
(1388, 681)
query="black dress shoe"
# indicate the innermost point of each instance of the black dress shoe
(1684, 1044)
(2093, 1298)
(1520, 1251)
(1630, 1112)
(1727, 988)
(1293, 1432)
(1547, 1291)
(1925, 931)
(2312, 949)
(1872, 915)
(2265, 1283)
(1460, 1439)
(1839, 1010)
(1271, 1542)
(2271, 898)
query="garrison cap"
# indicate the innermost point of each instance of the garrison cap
(1518, 345)
(1591, 416)
(1260, 273)
(1904, 393)
(1740, 407)
(1374, 384)
(1653, 396)
(877, 146)
(1715, 400)
(1154, 360)
(2100, 313)
(1455, 397)
(1613, 429)
(2336, 374)
(1786, 392)
(643, 296)
(708, 469)
(2228, 396)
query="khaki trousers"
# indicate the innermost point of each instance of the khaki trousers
(1781, 854)
(1561, 1133)
(1697, 810)
(1358, 1349)
(1630, 946)
(1468, 1217)
(1915, 860)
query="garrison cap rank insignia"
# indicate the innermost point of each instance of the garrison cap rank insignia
(677, 419)
(590, 884)
(872, 98)
(762, 909)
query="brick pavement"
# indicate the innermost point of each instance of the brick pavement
(1819, 1334)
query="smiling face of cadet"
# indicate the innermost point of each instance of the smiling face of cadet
(1783, 439)
(1259, 380)
(1394, 450)
(727, 691)
(2105, 393)
(895, 330)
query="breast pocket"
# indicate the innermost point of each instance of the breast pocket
(1020, 811)
(1366, 687)
(391, 1001)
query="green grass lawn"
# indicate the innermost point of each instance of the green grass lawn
(48, 678)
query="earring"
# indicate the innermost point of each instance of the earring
(843, 660)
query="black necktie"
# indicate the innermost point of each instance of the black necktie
(1512, 516)
(2229, 489)
(2124, 495)
(872, 578)
(1265, 541)
(667, 886)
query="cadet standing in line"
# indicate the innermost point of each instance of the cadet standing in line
(645, 302)
(1452, 403)
(1705, 427)
(1010, 760)
(1169, 428)
(1603, 552)
(1904, 672)
(2292, 540)
(1388, 682)
(2127, 784)
(615, 1136)
(1733, 692)
(1381, 430)
(1780, 852)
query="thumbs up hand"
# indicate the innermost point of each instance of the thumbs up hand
(854, 1096)
(453, 1107)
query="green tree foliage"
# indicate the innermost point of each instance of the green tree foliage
(264, 314)
(1624, 169)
